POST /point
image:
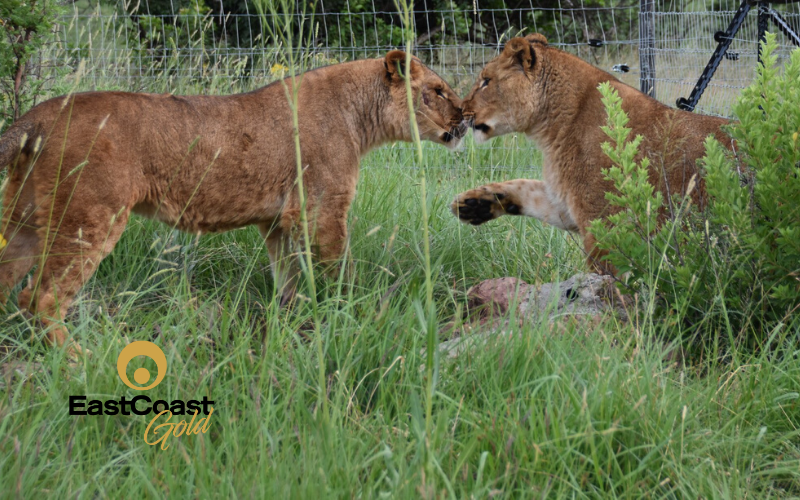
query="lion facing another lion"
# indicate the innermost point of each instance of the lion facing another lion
(552, 97)
(79, 165)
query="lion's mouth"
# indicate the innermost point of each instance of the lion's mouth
(483, 131)
(469, 122)
(456, 132)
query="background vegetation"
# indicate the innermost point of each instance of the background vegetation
(25, 27)
(476, 25)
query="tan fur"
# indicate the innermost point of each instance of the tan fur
(552, 97)
(80, 164)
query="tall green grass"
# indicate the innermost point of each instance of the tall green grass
(579, 412)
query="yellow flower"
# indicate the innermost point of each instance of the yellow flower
(3, 242)
(278, 68)
(794, 137)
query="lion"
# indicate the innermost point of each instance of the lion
(553, 97)
(80, 165)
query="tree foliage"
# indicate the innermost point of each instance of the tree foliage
(26, 25)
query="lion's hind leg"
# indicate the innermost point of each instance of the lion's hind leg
(517, 197)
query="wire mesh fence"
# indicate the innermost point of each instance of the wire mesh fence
(129, 46)
(684, 43)
(187, 46)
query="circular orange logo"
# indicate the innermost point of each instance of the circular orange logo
(142, 375)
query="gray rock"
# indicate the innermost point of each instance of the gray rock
(585, 297)
(582, 294)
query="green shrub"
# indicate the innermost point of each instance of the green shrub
(25, 26)
(187, 24)
(736, 263)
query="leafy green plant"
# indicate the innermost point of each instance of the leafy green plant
(26, 27)
(736, 263)
(191, 26)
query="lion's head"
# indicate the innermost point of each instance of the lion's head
(505, 97)
(437, 106)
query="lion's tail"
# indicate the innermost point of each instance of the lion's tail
(18, 143)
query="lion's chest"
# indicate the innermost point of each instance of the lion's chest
(559, 193)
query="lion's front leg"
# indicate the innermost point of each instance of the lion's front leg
(518, 197)
(283, 262)
(327, 227)
(330, 232)
(595, 256)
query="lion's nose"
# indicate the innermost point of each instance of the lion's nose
(465, 103)
(468, 120)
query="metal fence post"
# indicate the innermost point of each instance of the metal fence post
(763, 22)
(647, 41)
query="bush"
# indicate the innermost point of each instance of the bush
(181, 23)
(736, 263)
(26, 26)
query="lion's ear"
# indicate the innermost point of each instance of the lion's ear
(536, 38)
(520, 50)
(395, 63)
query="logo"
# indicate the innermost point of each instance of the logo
(142, 375)
(142, 405)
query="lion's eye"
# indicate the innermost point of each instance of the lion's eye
(485, 83)
(440, 93)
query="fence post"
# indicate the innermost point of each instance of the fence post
(647, 42)
(763, 24)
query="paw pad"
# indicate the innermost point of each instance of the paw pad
(474, 211)
(480, 205)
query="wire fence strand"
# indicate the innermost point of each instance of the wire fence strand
(196, 49)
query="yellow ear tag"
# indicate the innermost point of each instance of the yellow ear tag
(3, 242)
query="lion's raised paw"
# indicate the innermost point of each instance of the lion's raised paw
(483, 204)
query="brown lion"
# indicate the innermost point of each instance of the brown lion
(79, 165)
(552, 97)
